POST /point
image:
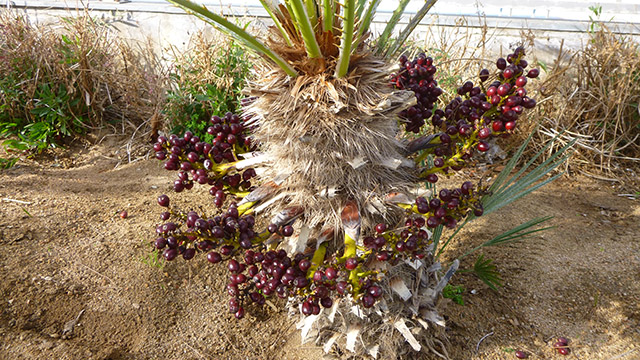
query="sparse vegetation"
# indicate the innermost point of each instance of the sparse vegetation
(57, 84)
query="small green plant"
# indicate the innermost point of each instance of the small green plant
(153, 259)
(454, 293)
(206, 81)
(8, 162)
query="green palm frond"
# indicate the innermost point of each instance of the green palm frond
(272, 11)
(487, 271)
(233, 30)
(306, 28)
(383, 39)
(346, 43)
(363, 27)
(506, 190)
(517, 233)
(328, 7)
(408, 30)
(348, 21)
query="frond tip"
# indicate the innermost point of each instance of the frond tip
(487, 271)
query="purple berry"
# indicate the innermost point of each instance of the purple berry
(213, 257)
(351, 263)
(163, 200)
(521, 354)
(170, 254)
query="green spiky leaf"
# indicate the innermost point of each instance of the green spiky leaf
(233, 30)
(487, 271)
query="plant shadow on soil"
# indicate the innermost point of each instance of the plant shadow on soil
(68, 250)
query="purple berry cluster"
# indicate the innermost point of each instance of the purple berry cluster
(200, 162)
(418, 76)
(257, 272)
(480, 113)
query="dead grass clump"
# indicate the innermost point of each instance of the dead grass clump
(64, 79)
(593, 97)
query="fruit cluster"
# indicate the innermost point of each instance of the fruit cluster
(205, 163)
(451, 205)
(418, 76)
(478, 114)
(257, 270)
(562, 346)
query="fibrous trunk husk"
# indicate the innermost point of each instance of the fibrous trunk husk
(330, 141)
(396, 327)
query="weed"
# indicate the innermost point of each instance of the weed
(454, 293)
(8, 162)
(205, 81)
(153, 259)
(55, 85)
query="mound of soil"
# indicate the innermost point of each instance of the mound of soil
(78, 281)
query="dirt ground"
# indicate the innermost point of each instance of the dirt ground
(66, 255)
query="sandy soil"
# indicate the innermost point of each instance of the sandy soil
(65, 254)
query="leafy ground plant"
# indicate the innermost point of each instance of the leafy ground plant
(321, 155)
(205, 81)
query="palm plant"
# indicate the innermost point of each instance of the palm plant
(327, 117)
(333, 158)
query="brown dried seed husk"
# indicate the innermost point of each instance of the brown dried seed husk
(376, 325)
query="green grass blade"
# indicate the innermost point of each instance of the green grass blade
(306, 29)
(271, 11)
(388, 30)
(327, 15)
(235, 31)
(411, 26)
(346, 43)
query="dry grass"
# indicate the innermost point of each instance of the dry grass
(108, 82)
(459, 53)
(593, 97)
